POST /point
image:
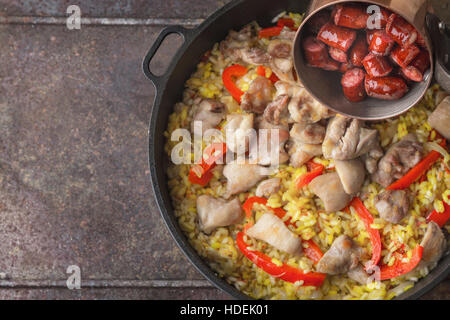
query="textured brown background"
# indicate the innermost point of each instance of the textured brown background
(74, 181)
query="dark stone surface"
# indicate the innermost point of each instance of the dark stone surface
(114, 8)
(74, 110)
(74, 181)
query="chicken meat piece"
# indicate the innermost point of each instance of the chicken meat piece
(398, 160)
(262, 123)
(303, 108)
(242, 177)
(308, 133)
(233, 44)
(434, 244)
(271, 229)
(392, 205)
(346, 139)
(352, 174)
(277, 112)
(279, 48)
(440, 118)
(301, 153)
(359, 275)
(255, 56)
(268, 187)
(239, 132)
(342, 257)
(210, 113)
(214, 213)
(258, 96)
(329, 189)
(372, 157)
(287, 88)
(271, 147)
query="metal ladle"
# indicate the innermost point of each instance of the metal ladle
(325, 85)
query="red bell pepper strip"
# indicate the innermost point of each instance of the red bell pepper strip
(262, 72)
(315, 170)
(418, 171)
(248, 206)
(313, 251)
(201, 173)
(374, 234)
(215, 152)
(200, 180)
(399, 268)
(440, 218)
(286, 22)
(228, 74)
(284, 272)
(270, 32)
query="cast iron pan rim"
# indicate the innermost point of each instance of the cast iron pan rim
(175, 231)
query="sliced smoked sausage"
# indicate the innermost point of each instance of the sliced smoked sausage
(381, 43)
(353, 85)
(377, 66)
(337, 37)
(358, 52)
(386, 88)
(401, 31)
(415, 71)
(351, 16)
(403, 56)
(316, 54)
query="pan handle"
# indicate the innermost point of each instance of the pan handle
(158, 81)
(440, 36)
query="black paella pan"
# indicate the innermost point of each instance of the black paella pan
(169, 88)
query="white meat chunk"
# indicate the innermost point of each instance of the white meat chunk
(258, 96)
(352, 174)
(434, 244)
(346, 139)
(271, 151)
(262, 123)
(398, 160)
(214, 213)
(342, 256)
(310, 133)
(372, 157)
(210, 113)
(329, 189)
(392, 205)
(440, 118)
(359, 275)
(276, 112)
(271, 229)
(303, 108)
(242, 177)
(279, 48)
(301, 153)
(233, 44)
(239, 131)
(254, 55)
(268, 187)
